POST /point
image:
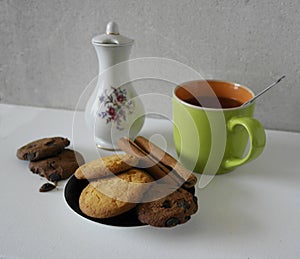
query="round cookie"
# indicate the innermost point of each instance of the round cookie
(174, 209)
(58, 167)
(42, 148)
(106, 166)
(109, 197)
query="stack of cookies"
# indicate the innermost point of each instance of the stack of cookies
(144, 179)
(49, 158)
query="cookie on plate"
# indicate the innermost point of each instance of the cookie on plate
(106, 166)
(42, 148)
(176, 208)
(58, 167)
(109, 197)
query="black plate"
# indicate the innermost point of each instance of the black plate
(72, 192)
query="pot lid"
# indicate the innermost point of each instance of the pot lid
(112, 37)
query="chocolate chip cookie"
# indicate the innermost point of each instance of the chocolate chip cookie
(174, 209)
(58, 167)
(42, 148)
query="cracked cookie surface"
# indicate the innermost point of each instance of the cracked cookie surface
(109, 197)
(106, 166)
(58, 167)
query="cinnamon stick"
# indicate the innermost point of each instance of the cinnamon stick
(166, 159)
(156, 170)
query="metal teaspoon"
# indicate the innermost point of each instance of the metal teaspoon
(263, 91)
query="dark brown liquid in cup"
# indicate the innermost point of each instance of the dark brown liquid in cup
(213, 102)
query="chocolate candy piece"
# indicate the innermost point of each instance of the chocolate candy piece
(172, 222)
(54, 177)
(166, 204)
(42, 148)
(183, 204)
(46, 187)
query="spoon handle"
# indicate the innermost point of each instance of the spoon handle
(263, 91)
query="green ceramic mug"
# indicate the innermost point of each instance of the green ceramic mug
(213, 134)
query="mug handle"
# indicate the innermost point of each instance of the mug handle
(257, 140)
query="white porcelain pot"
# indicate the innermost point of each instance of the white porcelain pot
(114, 110)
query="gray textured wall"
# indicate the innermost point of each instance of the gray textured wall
(46, 58)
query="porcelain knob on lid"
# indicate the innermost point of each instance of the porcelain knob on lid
(112, 28)
(112, 37)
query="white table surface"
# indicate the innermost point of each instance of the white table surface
(253, 212)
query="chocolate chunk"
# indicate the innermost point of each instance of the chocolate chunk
(50, 143)
(46, 187)
(172, 222)
(30, 156)
(190, 190)
(54, 177)
(183, 204)
(166, 204)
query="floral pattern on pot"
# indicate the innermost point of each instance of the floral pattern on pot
(117, 107)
